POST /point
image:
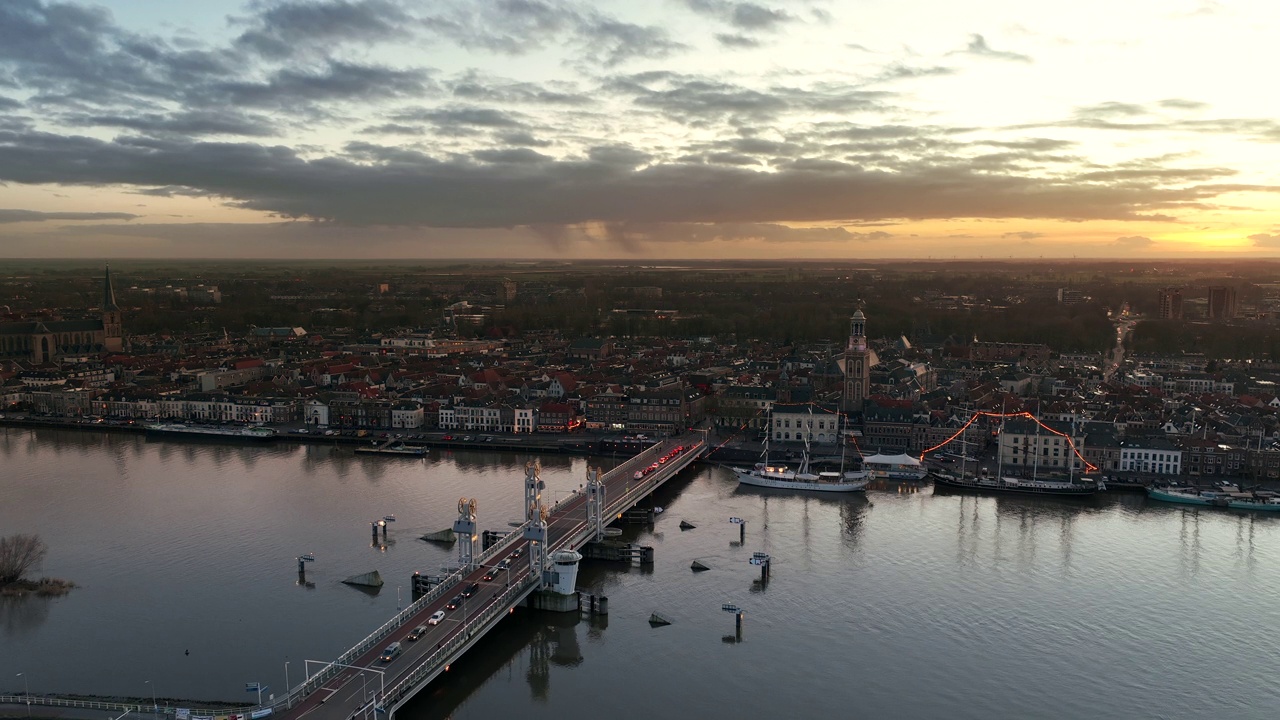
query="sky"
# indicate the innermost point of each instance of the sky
(666, 129)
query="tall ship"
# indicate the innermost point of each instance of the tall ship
(802, 477)
(1084, 487)
(894, 467)
(1069, 486)
(212, 431)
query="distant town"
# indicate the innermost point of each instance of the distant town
(1168, 371)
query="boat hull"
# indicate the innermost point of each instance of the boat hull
(1004, 488)
(746, 477)
(196, 432)
(1180, 498)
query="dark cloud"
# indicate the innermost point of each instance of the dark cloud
(516, 27)
(522, 137)
(978, 47)
(1265, 240)
(392, 186)
(636, 234)
(186, 123)
(17, 216)
(332, 81)
(613, 42)
(392, 129)
(510, 156)
(901, 71)
(693, 99)
(9, 104)
(737, 40)
(282, 29)
(742, 15)
(475, 87)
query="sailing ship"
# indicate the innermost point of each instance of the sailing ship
(1000, 483)
(802, 477)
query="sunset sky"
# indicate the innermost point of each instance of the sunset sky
(650, 129)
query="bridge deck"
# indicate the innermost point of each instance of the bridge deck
(358, 679)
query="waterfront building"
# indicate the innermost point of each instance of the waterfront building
(815, 423)
(1153, 454)
(44, 341)
(1026, 445)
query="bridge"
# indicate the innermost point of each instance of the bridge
(489, 586)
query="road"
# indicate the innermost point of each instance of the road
(347, 693)
(1124, 328)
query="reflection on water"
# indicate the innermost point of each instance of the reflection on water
(20, 615)
(902, 602)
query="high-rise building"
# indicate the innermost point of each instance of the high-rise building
(1222, 303)
(1170, 303)
(857, 364)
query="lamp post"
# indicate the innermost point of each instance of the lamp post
(287, 687)
(154, 705)
(26, 691)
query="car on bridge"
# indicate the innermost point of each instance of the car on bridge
(391, 653)
(472, 589)
(518, 552)
(421, 630)
(435, 619)
(455, 603)
(490, 574)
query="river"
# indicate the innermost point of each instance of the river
(896, 604)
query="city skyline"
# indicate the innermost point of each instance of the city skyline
(679, 129)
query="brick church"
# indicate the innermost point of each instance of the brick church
(44, 341)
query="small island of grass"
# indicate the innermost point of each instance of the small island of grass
(18, 555)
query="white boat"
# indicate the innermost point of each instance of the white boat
(894, 467)
(801, 478)
(241, 433)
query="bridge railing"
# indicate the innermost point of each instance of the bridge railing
(500, 605)
(70, 703)
(312, 683)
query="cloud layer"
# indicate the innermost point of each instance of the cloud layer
(581, 120)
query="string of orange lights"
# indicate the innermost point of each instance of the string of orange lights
(1089, 467)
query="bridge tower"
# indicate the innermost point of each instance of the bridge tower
(595, 502)
(465, 528)
(536, 534)
(533, 487)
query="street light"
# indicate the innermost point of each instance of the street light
(287, 687)
(26, 691)
(154, 704)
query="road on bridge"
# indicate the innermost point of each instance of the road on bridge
(351, 691)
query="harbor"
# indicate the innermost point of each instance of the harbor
(906, 574)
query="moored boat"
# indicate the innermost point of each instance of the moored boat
(783, 477)
(1084, 487)
(1187, 495)
(212, 431)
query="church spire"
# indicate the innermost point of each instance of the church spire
(108, 293)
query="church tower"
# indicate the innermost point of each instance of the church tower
(112, 329)
(857, 365)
